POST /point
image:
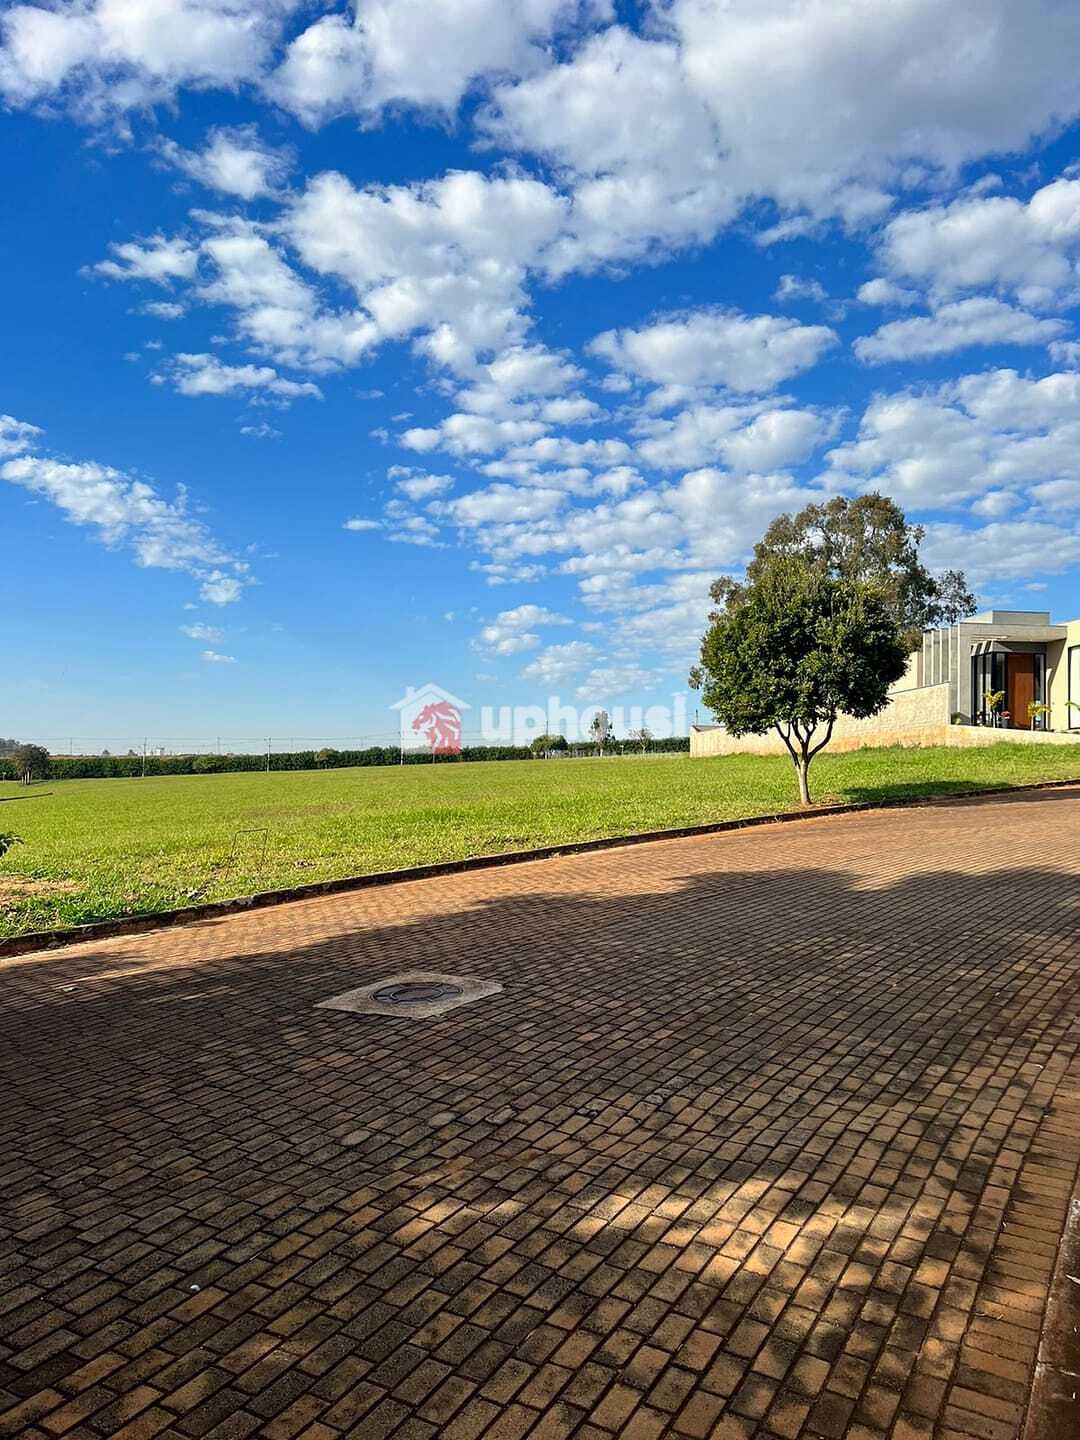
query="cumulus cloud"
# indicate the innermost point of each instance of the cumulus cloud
(881, 291)
(158, 259)
(447, 257)
(992, 242)
(418, 485)
(558, 663)
(207, 375)
(105, 57)
(997, 431)
(514, 630)
(746, 353)
(234, 161)
(743, 437)
(163, 309)
(980, 320)
(1003, 550)
(212, 657)
(860, 104)
(208, 633)
(411, 52)
(797, 287)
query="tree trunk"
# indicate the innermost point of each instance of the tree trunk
(802, 769)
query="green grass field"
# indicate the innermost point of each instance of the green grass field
(101, 848)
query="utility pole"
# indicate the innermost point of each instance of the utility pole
(268, 754)
(144, 758)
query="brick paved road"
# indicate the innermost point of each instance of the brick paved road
(769, 1134)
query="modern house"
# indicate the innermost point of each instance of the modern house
(1009, 670)
(1015, 654)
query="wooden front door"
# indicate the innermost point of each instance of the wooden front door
(1020, 690)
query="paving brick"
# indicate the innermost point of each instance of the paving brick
(786, 1135)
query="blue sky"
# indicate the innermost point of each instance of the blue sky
(352, 347)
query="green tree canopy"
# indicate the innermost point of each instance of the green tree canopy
(793, 649)
(866, 539)
(545, 744)
(30, 762)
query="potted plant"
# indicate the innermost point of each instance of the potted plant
(992, 699)
(1038, 715)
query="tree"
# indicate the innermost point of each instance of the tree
(642, 737)
(327, 757)
(600, 729)
(795, 648)
(868, 539)
(546, 744)
(30, 762)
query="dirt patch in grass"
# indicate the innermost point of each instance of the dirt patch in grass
(21, 887)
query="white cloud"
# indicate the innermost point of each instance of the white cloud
(208, 633)
(996, 431)
(513, 631)
(464, 435)
(421, 486)
(17, 435)
(163, 310)
(157, 259)
(744, 437)
(880, 291)
(992, 241)
(746, 353)
(860, 103)
(234, 161)
(1007, 550)
(220, 588)
(980, 320)
(126, 512)
(108, 56)
(207, 375)
(356, 523)
(447, 257)
(796, 287)
(499, 504)
(415, 530)
(558, 663)
(412, 52)
(213, 658)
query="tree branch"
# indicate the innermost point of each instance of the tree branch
(785, 736)
(828, 737)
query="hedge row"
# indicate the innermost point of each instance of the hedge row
(106, 767)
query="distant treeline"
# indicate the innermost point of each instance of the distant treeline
(108, 767)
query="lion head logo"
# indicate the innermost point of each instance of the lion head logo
(440, 723)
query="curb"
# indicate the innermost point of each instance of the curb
(1054, 1401)
(190, 914)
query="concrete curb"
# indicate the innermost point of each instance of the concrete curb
(1054, 1403)
(189, 914)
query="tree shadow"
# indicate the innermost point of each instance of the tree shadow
(749, 1137)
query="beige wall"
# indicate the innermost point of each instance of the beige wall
(1057, 666)
(912, 717)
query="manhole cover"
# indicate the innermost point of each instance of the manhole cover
(416, 992)
(419, 994)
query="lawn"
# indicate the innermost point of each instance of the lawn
(100, 848)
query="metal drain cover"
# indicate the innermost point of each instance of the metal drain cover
(418, 994)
